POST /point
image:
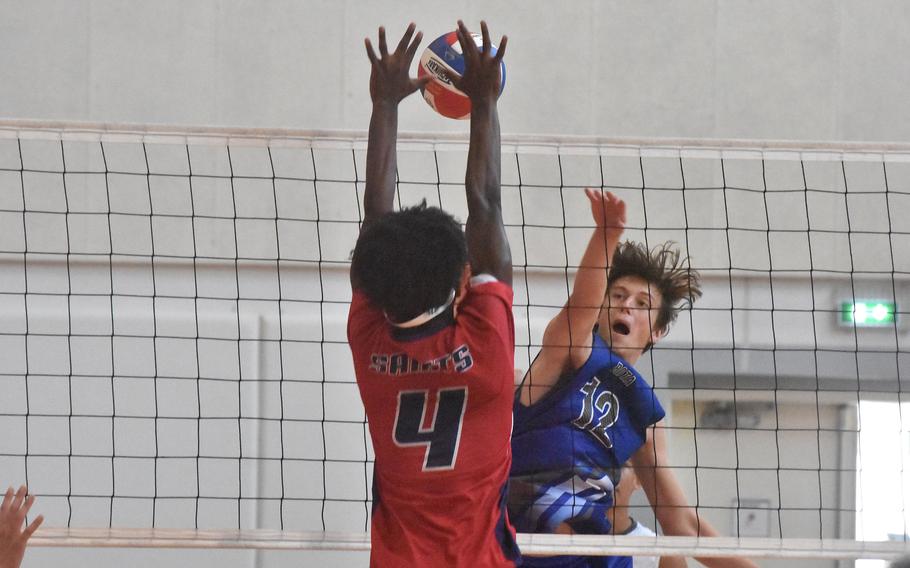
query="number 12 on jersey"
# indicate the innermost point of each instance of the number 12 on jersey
(443, 434)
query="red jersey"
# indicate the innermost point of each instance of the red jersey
(438, 398)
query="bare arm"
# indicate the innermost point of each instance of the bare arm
(668, 500)
(488, 247)
(381, 161)
(389, 84)
(567, 339)
(13, 537)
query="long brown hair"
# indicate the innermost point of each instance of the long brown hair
(665, 269)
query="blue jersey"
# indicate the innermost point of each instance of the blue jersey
(569, 447)
(615, 562)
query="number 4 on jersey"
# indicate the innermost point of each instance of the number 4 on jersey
(442, 437)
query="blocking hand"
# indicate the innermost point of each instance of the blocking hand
(481, 78)
(389, 79)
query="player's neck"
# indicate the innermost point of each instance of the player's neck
(631, 355)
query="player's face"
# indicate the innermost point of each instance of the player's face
(628, 321)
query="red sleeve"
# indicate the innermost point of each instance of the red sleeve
(486, 316)
(493, 303)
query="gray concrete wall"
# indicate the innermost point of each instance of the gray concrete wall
(734, 69)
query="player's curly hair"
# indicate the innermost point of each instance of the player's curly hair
(408, 261)
(663, 268)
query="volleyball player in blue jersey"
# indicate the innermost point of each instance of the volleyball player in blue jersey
(583, 410)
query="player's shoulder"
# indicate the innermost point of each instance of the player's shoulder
(489, 284)
(486, 295)
(360, 301)
(363, 316)
(487, 302)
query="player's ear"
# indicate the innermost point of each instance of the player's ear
(657, 334)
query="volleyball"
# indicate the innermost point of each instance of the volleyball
(443, 61)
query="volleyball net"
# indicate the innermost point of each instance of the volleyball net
(173, 354)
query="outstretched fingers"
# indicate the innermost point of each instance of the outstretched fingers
(383, 47)
(468, 48)
(13, 511)
(485, 34)
(7, 500)
(390, 79)
(26, 507)
(19, 498)
(607, 208)
(406, 38)
(616, 207)
(501, 50)
(598, 196)
(33, 526)
(598, 206)
(412, 49)
(370, 53)
(461, 28)
(405, 45)
(620, 210)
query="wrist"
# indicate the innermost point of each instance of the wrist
(612, 232)
(485, 102)
(385, 105)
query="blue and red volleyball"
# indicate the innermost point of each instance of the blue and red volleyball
(443, 61)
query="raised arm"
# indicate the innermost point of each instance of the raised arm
(668, 500)
(567, 339)
(488, 247)
(13, 536)
(389, 84)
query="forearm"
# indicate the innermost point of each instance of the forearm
(584, 304)
(488, 246)
(683, 520)
(687, 522)
(667, 499)
(379, 192)
(567, 339)
(484, 169)
(591, 279)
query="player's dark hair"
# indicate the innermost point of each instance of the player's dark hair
(663, 268)
(408, 261)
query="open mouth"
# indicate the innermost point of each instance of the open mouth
(621, 328)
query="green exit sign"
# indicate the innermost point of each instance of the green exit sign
(868, 313)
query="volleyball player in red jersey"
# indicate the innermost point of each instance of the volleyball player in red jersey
(432, 336)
